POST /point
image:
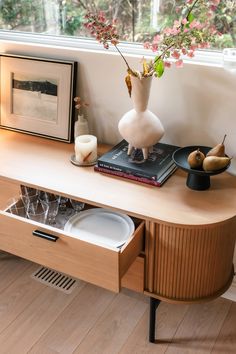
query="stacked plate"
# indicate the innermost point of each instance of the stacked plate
(101, 226)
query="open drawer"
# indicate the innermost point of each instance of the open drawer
(100, 265)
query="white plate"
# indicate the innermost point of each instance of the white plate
(101, 226)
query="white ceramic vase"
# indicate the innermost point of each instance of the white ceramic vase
(140, 127)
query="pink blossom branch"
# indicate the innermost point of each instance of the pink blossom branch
(191, 8)
(186, 35)
(162, 55)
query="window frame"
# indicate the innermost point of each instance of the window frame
(204, 57)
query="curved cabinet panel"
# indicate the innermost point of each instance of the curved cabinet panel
(189, 264)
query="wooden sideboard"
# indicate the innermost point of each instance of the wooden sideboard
(183, 245)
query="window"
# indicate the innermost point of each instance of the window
(138, 19)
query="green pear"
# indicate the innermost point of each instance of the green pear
(218, 150)
(195, 159)
(214, 163)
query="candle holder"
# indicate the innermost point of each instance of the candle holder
(81, 164)
(85, 151)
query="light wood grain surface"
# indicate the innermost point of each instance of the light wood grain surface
(7, 190)
(46, 164)
(36, 319)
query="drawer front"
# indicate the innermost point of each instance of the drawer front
(92, 263)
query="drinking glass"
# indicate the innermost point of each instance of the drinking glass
(27, 190)
(53, 202)
(16, 206)
(46, 196)
(76, 205)
(38, 211)
(28, 195)
(62, 205)
(28, 198)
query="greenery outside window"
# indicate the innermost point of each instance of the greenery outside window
(139, 20)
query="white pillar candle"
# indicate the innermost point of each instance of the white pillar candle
(86, 149)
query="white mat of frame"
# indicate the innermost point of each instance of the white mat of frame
(55, 279)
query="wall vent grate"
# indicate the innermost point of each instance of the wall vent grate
(55, 279)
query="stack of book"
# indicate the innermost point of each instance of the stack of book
(154, 171)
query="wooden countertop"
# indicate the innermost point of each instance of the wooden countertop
(46, 163)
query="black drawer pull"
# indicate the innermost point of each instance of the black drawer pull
(44, 235)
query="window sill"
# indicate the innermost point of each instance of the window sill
(206, 58)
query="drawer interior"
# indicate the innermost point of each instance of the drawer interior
(62, 218)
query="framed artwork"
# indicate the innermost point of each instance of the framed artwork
(37, 96)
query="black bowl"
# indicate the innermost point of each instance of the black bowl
(197, 179)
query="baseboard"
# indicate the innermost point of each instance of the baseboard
(231, 292)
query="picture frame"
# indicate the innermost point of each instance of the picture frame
(37, 96)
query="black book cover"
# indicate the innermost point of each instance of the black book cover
(157, 163)
(161, 180)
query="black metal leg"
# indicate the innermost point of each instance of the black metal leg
(152, 318)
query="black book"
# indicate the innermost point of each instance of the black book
(144, 180)
(158, 162)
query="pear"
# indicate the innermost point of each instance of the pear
(195, 159)
(214, 163)
(218, 150)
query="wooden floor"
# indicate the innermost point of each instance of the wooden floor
(35, 318)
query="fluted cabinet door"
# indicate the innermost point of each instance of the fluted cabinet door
(189, 264)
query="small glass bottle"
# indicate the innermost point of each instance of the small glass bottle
(81, 126)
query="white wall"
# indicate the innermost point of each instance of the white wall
(196, 104)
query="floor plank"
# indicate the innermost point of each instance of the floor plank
(31, 324)
(200, 328)
(74, 322)
(168, 318)
(226, 341)
(114, 326)
(18, 296)
(11, 268)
